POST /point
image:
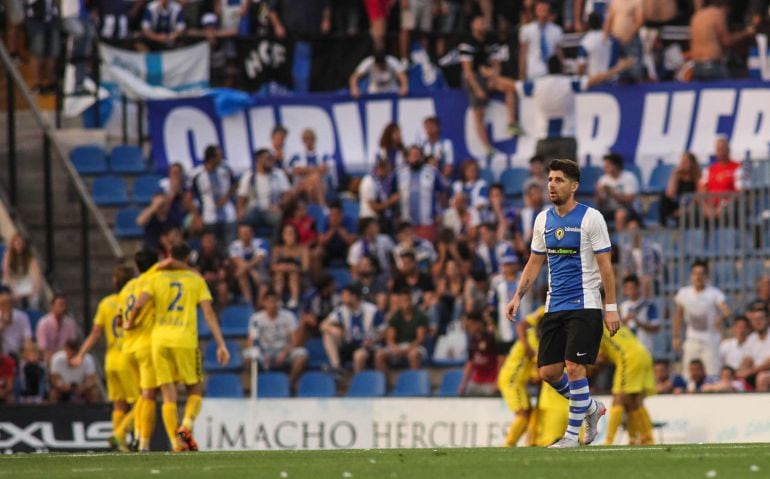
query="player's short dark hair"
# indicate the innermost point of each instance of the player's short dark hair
(570, 168)
(180, 251)
(210, 152)
(616, 159)
(554, 65)
(594, 21)
(699, 263)
(631, 278)
(144, 259)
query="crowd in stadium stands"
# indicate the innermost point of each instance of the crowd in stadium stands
(720, 33)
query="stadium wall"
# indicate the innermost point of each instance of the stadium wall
(645, 123)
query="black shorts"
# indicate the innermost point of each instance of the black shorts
(570, 335)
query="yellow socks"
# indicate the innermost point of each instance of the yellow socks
(147, 423)
(645, 426)
(171, 422)
(191, 410)
(632, 421)
(616, 417)
(124, 424)
(532, 428)
(517, 428)
(117, 420)
(137, 416)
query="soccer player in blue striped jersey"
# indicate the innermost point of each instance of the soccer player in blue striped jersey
(573, 238)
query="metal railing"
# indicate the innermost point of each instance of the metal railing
(51, 148)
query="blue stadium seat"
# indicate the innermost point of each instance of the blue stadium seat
(350, 223)
(316, 353)
(487, 175)
(589, 175)
(414, 383)
(341, 277)
(448, 363)
(659, 177)
(210, 358)
(109, 190)
(351, 207)
(235, 321)
(319, 215)
(316, 385)
(513, 181)
(34, 318)
(367, 384)
(145, 187)
(653, 214)
(273, 385)
(450, 383)
(125, 224)
(89, 160)
(127, 160)
(203, 327)
(224, 386)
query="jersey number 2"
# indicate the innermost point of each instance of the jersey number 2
(174, 306)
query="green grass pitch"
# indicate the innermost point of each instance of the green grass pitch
(729, 461)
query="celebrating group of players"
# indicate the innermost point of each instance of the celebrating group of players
(151, 330)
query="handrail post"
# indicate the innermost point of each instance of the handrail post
(84, 264)
(50, 259)
(11, 130)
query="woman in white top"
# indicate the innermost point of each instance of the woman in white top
(472, 185)
(21, 272)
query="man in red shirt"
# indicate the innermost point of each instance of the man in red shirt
(480, 374)
(723, 176)
(7, 378)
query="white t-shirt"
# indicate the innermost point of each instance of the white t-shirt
(273, 335)
(701, 312)
(598, 53)
(758, 348)
(367, 192)
(554, 98)
(380, 81)
(532, 34)
(626, 184)
(68, 374)
(257, 247)
(732, 354)
(263, 190)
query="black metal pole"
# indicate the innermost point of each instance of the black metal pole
(124, 117)
(97, 107)
(85, 264)
(139, 122)
(48, 203)
(11, 94)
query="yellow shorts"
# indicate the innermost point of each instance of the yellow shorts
(634, 376)
(177, 364)
(513, 377)
(122, 385)
(141, 361)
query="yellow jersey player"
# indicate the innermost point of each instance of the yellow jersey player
(632, 382)
(122, 382)
(518, 369)
(175, 351)
(137, 346)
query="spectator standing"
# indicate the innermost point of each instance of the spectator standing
(371, 243)
(709, 36)
(56, 328)
(405, 336)
(290, 262)
(419, 188)
(391, 147)
(305, 19)
(113, 19)
(480, 60)
(352, 331)
(262, 192)
(723, 176)
(685, 179)
(274, 330)
(248, 257)
(212, 263)
(163, 23)
(21, 272)
(416, 16)
(15, 331)
(383, 74)
(156, 218)
(278, 147)
(624, 19)
(642, 256)
(70, 383)
(435, 146)
(43, 42)
(733, 350)
(313, 173)
(378, 195)
(617, 193)
(177, 192)
(639, 314)
(480, 372)
(378, 12)
(665, 381)
(697, 377)
(701, 308)
(472, 185)
(539, 40)
(78, 25)
(755, 367)
(213, 185)
(597, 52)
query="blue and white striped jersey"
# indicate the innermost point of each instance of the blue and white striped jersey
(419, 194)
(571, 244)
